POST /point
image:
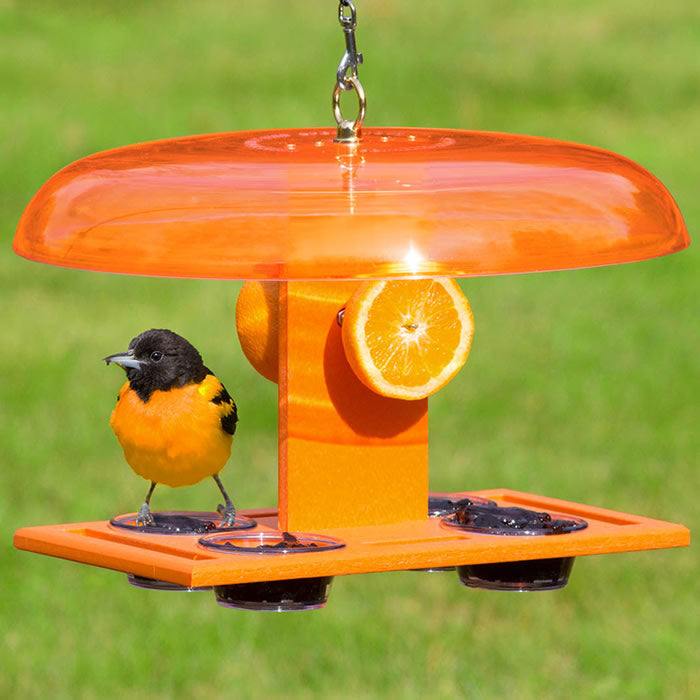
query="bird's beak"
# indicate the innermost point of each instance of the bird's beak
(124, 359)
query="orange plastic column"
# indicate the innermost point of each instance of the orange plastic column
(347, 456)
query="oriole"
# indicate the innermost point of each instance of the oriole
(174, 419)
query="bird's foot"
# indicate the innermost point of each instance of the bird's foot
(145, 517)
(228, 514)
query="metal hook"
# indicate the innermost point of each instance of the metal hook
(352, 58)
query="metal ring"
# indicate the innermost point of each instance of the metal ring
(348, 131)
(349, 21)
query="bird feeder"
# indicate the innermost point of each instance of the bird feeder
(320, 210)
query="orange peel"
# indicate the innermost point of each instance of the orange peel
(257, 325)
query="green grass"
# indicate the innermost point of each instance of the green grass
(581, 385)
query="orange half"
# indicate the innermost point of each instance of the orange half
(406, 339)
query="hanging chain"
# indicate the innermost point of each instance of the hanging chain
(346, 76)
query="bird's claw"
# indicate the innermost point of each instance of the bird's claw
(228, 515)
(145, 517)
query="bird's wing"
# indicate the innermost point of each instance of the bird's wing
(216, 392)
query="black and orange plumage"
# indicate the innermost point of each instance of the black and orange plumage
(174, 419)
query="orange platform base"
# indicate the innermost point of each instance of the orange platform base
(415, 544)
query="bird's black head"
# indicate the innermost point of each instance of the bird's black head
(159, 360)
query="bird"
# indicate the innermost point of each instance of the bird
(174, 419)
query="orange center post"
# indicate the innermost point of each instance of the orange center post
(348, 456)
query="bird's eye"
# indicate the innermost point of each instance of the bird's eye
(156, 356)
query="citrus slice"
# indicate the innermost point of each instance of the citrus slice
(257, 324)
(407, 338)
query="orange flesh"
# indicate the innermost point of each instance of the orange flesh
(412, 337)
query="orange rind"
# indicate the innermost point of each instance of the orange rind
(257, 325)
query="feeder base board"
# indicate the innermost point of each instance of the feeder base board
(414, 544)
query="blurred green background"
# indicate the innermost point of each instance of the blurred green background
(581, 385)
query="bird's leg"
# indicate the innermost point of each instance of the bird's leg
(144, 517)
(228, 512)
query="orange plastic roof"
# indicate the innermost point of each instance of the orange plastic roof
(292, 204)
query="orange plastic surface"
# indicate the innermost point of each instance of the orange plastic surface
(417, 544)
(347, 456)
(292, 204)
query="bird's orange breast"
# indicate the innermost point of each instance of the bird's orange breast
(174, 438)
